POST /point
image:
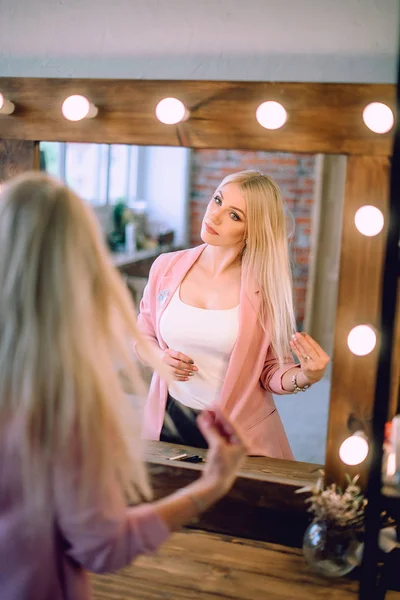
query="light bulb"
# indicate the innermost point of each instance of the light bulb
(6, 107)
(361, 340)
(76, 108)
(354, 449)
(271, 115)
(391, 464)
(378, 117)
(171, 111)
(369, 220)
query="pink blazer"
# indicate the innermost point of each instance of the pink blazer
(99, 533)
(253, 372)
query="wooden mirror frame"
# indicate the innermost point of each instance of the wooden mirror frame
(322, 118)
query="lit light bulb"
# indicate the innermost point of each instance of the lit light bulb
(6, 107)
(391, 464)
(369, 220)
(354, 449)
(378, 117)
(76, 108)
(271, 115)
(361, 340)
(171, 111)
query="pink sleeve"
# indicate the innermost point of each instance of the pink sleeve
(146, 316)
(271, 376)
(103, 534)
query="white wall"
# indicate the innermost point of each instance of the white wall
(166, 189)
(282, 40)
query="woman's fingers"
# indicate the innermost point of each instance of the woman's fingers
(182, 365)
(313, 360)
(313, 344)
(303, 349)
(221, 428)
(206, 424)
(227, 429)
(179, 360)
(296, 349)
(319, 351)
(183, 358)
(178, 365)
(305, 345)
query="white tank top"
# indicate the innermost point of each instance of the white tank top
(208, 337)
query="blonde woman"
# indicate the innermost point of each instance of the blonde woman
(221, 318)
(69, 455)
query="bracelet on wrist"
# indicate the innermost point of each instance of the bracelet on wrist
(296, 386)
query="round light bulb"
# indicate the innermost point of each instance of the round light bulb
(378, 117)
(6, 107)
(271, 115)
(354, 449)
(361, 340)
(171, 111)
(76, 108)
(369, 220)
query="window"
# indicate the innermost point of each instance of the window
(101, 174)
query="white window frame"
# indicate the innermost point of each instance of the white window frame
(133, 188)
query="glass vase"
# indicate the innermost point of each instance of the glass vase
(330, 552)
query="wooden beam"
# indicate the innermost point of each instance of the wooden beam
(322, 117)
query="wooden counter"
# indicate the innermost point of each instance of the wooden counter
(262, 504)
(123, 259)
(203, 566)
(138, 263)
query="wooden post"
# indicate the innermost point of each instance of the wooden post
(17, 156)
(353, 377)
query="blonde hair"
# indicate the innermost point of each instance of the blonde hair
(266, 256)
(65, 321)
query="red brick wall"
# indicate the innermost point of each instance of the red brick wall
(295, 175)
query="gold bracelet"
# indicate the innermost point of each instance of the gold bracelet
(296, 386)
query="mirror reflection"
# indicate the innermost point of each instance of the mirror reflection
(154, 200)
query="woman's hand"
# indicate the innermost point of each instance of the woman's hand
(225, 455)
(226, 450)
(313, 359)
(180, 365)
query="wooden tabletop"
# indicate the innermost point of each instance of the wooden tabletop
(262, 505)
(288, 472)
(121, 259)
(202, 566)
(124, 258)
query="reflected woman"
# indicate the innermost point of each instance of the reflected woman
(221, 318)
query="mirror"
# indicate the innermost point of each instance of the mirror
(151, 199)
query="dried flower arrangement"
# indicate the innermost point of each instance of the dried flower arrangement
(340, 510)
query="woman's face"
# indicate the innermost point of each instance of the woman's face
(224, 223)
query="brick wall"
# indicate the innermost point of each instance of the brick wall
(295, 175)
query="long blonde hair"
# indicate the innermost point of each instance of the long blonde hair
(266, 256)
(65, 321)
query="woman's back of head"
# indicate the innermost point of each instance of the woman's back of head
(65, 319)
